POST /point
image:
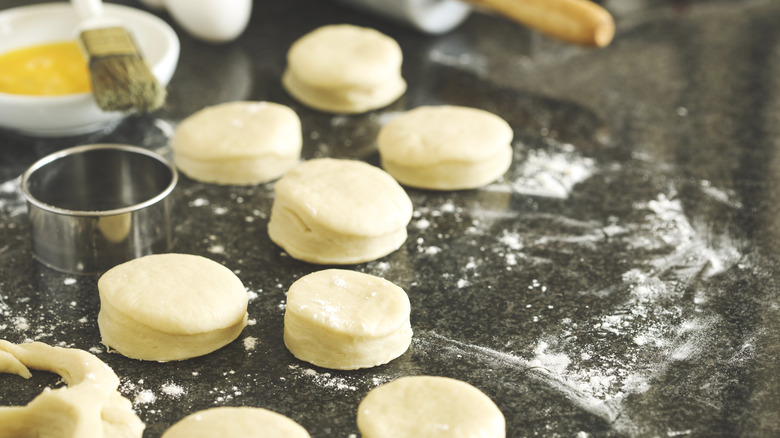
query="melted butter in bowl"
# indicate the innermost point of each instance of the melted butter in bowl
(44, 70)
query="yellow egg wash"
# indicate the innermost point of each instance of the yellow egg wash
(44, 70)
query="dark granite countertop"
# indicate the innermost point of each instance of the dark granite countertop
(621, 280)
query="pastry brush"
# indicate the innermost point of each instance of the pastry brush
(121, 78)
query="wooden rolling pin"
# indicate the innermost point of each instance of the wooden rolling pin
(575, 21)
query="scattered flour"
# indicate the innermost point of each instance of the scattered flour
(671, 252)
(144, 397)
(199, 202)
(422, 224)
(545, 367)
(553, 362)
(325, 380)
(172, 390)
(472, 61)
(511, 239)
(216, 249)
(20, 324)
(550, 172)
(11, 199)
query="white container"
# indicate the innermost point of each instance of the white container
(429, 16)
(72, 114)
(214, 21)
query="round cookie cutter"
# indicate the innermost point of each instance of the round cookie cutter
(93, 207)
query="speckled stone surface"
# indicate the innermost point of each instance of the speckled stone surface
(620, 280)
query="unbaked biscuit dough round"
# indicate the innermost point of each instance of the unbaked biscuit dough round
(90, 406)
(165, 307)
(446, 147)
(236, 422)
(346, 320)
(344, 69)
(238, 143)
(335, 211)
(429, 406)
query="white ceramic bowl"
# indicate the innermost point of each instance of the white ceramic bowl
(53, 116)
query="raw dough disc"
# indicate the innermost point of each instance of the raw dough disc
(344, 69)
(446, 147)
(170, 307)
(346, 320)
(334, 211)
(429, 406)
(235, 422)
(90, 406)
(238, 143)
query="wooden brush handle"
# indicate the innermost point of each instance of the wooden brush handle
(576, 21)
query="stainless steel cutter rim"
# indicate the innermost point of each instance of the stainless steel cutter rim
(96, 213)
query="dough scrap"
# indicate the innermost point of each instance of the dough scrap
(346, 320)
(238, 143)
(235, 422)
(446, 147)
(344, 69)
(335, 211)
(165, 307)
(429, 406)
(90, 406)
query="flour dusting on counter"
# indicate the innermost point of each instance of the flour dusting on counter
(323, 379)
(551, 172)
(573, 357)
(11, 199)
(250, 343)
(173, 390)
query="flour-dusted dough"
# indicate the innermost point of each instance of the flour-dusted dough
(238, 143)
(236, 422)
(346, 320)
(90, 406)
(344, 69)
(167, 307)
(429, 406)
(334, 211)
(446, 147)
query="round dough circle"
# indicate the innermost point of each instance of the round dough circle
(344, 69)
(346, 320)
(170, 307)
(446, 147)
(238, 143)
(334, 211)
(429, 406)
(235, 422)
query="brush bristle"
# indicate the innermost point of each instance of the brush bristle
(124, 83)
(121, 79)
